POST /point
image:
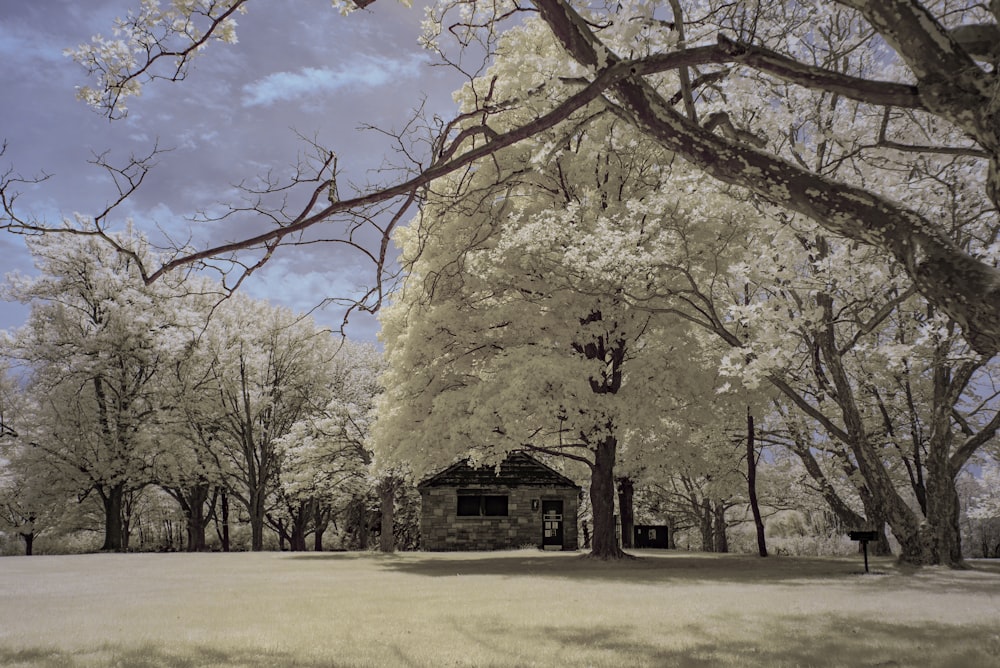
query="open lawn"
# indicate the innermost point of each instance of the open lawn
(522, 608)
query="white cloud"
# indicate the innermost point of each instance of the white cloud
(363, 72)
(28, 47)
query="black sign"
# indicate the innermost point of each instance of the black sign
(863, 535)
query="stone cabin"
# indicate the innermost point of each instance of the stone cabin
(524, 502)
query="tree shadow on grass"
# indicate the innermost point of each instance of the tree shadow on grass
(649, 568)
(150, 655)
(782, 641)
(722, 641)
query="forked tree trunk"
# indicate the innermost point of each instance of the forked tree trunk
(321, 523)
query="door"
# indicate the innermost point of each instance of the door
(552, 524)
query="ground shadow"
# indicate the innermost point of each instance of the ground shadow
(787, 641)
(151, 655)
(648, 568)
(784, 641)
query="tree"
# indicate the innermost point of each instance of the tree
(938, 58)
(512, 332)
(268, 370)
(325, 460)
(95, 342)
(916, 77)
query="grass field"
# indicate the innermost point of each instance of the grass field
(522, 608)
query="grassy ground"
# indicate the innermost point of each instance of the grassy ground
(519, 608)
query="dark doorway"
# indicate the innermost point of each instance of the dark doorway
(652, 536)
(552, 525)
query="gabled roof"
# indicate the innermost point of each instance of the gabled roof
(517, 470)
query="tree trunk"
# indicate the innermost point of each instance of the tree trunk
(626, 498)
(112, 501)
(602, 502)
(29, 543)
(299, 525)
(720, 540)
(586, 535)
(752, 486)
(256, 511)
(321, 523)
(386, 498)
(941, 534)
(705, 526)
(224, 536)
(194, 514)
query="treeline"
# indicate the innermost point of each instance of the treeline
(175, 416)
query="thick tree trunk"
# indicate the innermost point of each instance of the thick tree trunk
(29, 543)
(705, 526)
(321, 523)
(196, 517)
(752, 486)
(256, 511)
(299, 527)
(875, 522)
(626, 498)
(604, 543)
(318, 539)
(941, 534)
(720, 540)
(112, 501)
(387, 498)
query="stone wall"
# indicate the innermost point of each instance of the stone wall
(442, 529)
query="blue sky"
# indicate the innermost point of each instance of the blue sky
(299, 69)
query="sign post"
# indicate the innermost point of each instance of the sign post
(863, 537)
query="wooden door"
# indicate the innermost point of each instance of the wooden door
(552, 524)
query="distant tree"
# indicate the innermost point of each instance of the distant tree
(268, 370)
(325, 457)
(96, 340)
(737, 90)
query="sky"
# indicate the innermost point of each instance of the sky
(299, 69)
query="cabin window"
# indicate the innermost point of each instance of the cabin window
(481, 505)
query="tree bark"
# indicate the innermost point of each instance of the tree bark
(720, 539)
(961, 286)
(626, 508)
(705, 526)
(604, 542)
(322, 521)
(29, 543)
(224, 536)
(387, 504)
(112, 501)
(752, 486)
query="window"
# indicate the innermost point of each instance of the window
(476, 505)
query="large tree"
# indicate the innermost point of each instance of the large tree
(680, 78)
(95, 343)
(514, 328)
(268, 370)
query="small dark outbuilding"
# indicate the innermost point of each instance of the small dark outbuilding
(656, 536)
(523, 503)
